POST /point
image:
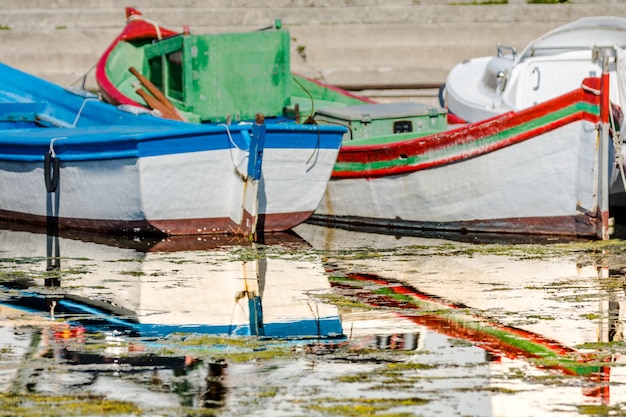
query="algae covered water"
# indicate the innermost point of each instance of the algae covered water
(319, 322)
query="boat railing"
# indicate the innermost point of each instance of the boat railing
(532, 51)
(510, 49)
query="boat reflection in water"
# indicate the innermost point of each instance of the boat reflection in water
(481, 327)
(137, 293)
(207, 285)
(522, 306)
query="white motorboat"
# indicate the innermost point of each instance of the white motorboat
(555, 63)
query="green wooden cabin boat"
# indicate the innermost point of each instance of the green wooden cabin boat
(231, 77)
(213, 77)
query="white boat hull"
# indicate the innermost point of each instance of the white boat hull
(544, 170)
(186, 193)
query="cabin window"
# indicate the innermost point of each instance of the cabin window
(156, 72)
(175, 68)
(402, 126)
(168, 68)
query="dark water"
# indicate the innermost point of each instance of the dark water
(320, 322)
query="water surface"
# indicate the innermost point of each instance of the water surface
(321, 322)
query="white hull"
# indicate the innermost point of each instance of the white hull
(180, 193)
(536, 181)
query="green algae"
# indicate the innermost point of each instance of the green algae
(133, 273)
(590, 316)
(365, 407)
(37, 405)
(618, 410)
(235, 349)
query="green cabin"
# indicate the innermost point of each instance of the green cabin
(230, 77)
(222, 77)
(384, 122)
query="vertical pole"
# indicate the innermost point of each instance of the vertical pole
(602, 231)
(251, 185)
(255, 308)
(255, 157)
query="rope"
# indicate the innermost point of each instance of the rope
(51, 150)
(232, 158)
(51, 167)
(616, 138)
(316, 151)
(80, 111)
(52, 307)
(316, 317)
(135, 17)
(311, 120)
(83, 78)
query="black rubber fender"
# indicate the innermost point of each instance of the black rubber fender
(51, 168)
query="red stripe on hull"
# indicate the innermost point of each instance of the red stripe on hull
(463, 135)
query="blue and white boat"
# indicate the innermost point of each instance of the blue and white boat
(73, 161)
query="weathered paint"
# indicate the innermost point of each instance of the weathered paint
(574, 225)
(280, 222)
(530, 172)
(465, 142)
(124, 172)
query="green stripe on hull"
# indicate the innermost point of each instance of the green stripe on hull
(472, 148)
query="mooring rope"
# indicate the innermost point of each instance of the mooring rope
(51, 166)
(232, 158)
(136, 17)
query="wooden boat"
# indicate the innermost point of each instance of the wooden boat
(551, 65)
(401, 166)
(543, 170)
(69, 160)
(223, 78)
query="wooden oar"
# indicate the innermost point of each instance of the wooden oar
(172, 112)
(155, 104)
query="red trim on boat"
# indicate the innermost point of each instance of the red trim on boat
(466, 134)
(134, 30)
(266, 223)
